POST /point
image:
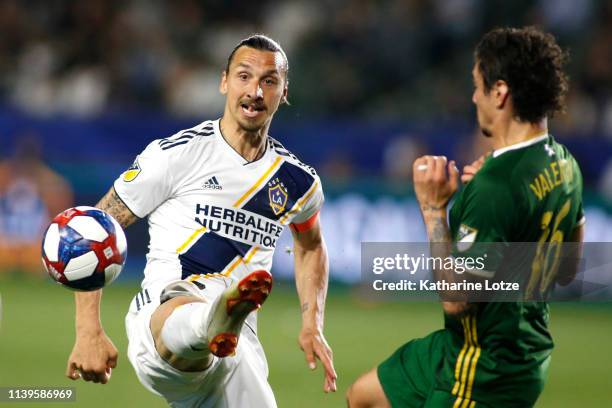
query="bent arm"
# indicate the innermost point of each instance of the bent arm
(440, 246)
(571, 260)
(113, 205)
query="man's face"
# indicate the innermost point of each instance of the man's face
(485, 103)
(254, 86)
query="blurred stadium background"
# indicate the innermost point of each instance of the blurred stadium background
(85, 85)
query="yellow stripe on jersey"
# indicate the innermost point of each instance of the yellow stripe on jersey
(298, 206)
(258, 183)
(466, 362)
(469, 365)
(190, 239)
(468, 394)
(466, 343)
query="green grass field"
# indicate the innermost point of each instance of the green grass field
(37, 333)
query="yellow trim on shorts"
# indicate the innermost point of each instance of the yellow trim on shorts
(258, 182)
(249, 255)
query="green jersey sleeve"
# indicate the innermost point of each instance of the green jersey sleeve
(482, 221)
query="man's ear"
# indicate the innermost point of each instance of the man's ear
(285, 94)
(501, 92)
(223, 84)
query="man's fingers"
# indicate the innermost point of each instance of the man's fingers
(72, 372)
(330, 385)
(453, 173)
(87, 376)
(106, 376)
(112, 361)
(431, 167)
(440, 170)
(310, 358)
(419, 169)
(324, 356)
(330, 382)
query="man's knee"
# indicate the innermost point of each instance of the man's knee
(366, 392)
(354, 397)
(177, 330)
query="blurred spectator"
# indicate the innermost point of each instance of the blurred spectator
(407, 59)
(396, 60)
(398, 157)
(605, 184)
(30, 194)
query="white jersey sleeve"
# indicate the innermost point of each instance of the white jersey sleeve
(313, 201)
(146, 184)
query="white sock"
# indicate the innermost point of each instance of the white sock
(184, 331)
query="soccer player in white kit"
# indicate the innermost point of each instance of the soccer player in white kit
(217, 196)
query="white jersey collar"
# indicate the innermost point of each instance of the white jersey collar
(232, 151)
(520, 145)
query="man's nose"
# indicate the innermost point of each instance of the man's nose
(255, 92)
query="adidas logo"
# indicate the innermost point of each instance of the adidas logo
(213, 183)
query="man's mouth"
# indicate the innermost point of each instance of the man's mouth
(251, 110)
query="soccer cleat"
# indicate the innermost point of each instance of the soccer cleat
(231, 309)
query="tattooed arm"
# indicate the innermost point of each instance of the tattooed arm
(112, 204)
(94, 354)
(434, 189)
(311, 276)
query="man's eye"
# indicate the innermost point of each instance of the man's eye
(243, 77)
(270, 81)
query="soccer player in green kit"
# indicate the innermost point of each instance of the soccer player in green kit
(529, 189)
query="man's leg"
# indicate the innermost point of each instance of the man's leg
(405, 379)
(187, 330)
(367, 392)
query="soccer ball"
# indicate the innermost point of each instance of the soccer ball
(84, 248)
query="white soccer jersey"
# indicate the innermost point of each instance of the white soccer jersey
(211, 211)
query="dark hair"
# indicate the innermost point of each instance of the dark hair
(531, 63)
(262, 43)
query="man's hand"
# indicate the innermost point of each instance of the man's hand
(470, 170)
(93, 357)
(432, 186)
(314, 345)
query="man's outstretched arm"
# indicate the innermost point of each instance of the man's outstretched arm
(94, 354)
(311, 278)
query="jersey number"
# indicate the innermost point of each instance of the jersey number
(546, 261)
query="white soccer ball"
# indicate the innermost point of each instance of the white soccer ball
(84, 248)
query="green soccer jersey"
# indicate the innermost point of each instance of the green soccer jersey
(528, 192)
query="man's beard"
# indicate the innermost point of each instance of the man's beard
(484, 130)
(251, 126)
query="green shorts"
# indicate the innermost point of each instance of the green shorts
(421, 374)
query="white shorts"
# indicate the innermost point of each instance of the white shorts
(239, 381)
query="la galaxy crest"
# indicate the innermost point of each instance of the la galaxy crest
(133, 172)
(278, 196)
